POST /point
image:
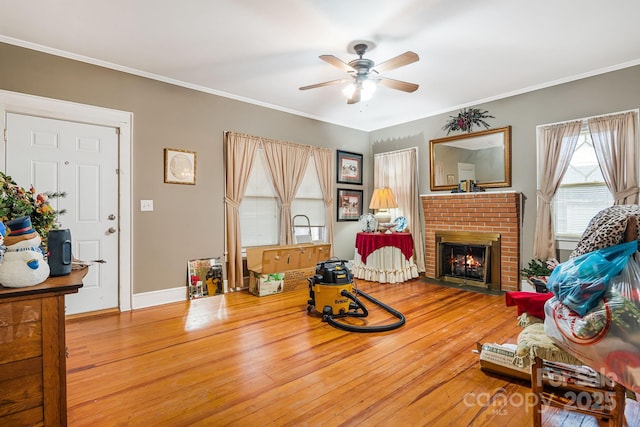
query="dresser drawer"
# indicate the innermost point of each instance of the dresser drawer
(22, 390)
(20, 330)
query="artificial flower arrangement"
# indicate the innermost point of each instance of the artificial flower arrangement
(16, 201)
(466, 118)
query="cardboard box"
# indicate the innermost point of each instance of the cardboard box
(268, 260)
(266, 284)
(298, 279)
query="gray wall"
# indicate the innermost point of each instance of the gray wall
(602, 94)
(187, 221)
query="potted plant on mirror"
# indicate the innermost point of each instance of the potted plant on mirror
(466, 119)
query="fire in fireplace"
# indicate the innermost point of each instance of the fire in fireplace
(466, 261)
(467, 257)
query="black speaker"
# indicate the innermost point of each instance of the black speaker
(59, 243)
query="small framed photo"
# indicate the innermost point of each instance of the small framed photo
(349, 167)
(349, 204)
(451, 179)
(179, 166)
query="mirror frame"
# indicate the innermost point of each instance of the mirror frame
(500, 134)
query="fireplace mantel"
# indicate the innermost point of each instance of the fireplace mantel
(488, 212)
(469, 194)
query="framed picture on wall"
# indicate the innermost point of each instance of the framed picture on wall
(349, 204)
(179, 166)
(349, 167)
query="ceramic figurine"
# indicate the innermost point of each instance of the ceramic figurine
(23, 263)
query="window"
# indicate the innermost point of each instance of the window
(260, 209)
(582, 192)
(309, 202)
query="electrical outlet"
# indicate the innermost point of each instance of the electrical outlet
(146, 205)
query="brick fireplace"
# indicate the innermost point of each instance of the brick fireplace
(498, 213)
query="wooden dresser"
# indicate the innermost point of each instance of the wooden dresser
(33, 384)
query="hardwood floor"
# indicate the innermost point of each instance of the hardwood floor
(242, 360)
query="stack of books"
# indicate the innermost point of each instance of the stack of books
(498, 358)
(564, 374)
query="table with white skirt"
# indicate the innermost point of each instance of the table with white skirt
(384, 258)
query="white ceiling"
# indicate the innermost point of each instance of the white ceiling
(261, 51)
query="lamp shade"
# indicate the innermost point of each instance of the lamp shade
(383, 198)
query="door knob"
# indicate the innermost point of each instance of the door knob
(111, 230)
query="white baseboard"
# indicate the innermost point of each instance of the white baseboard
(164, 296)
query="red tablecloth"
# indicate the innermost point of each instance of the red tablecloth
(369, 242)
(529, 302)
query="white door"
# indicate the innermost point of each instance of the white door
(466, 171)
(81, 160)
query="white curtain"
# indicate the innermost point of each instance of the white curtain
(398, 170)
(240, 153)
(614, 140)
(556, 144)
(323, 159)
(287, 163)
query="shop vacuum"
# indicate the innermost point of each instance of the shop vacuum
(333, 294)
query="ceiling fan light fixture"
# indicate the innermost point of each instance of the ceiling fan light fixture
(367, 89)
(364, 76)
(349, 90)
(369, 86)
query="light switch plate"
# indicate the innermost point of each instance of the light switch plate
(146, 205)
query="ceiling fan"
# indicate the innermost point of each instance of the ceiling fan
(364, 76)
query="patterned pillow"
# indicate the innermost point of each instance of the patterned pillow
(606, 228)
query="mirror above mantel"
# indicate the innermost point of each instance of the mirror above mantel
(484, 157)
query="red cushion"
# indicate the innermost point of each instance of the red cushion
(529, 302)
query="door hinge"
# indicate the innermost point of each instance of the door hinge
(5, 135)
(117, 131)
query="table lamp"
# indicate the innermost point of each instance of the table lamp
(382, 200)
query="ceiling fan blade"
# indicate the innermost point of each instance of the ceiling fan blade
(336, 62)
(331, 82)
(397, 62)
(398, 85)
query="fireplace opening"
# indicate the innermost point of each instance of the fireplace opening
(467, 257)
(466, 262)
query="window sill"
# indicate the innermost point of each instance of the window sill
(567, 243)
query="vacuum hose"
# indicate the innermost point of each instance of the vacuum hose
(353, 328)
